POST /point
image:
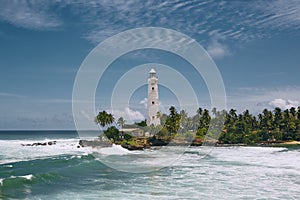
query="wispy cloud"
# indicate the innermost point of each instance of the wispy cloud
(32, 15)
(233, 20)
(236, 20)
(278, 14)
(4, 94)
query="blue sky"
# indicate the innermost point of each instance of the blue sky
(255, 45)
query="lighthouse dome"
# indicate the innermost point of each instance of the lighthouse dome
(152, 71)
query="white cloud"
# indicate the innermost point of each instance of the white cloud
(256, 99)
(128, 114)
(29, 15)
(144, 102)
(235, 20)
(134, 115)
(283, 104)
(215, 48)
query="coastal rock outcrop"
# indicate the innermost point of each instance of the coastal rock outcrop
(94, 143)
(133, 147)
(40, 143)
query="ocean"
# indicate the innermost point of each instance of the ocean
(64, 171)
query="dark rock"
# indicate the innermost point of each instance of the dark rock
(132, 148)
(197, 142)
(157, 142)
(40, 143)
(94, 143)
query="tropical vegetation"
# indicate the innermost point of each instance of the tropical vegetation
(227, 127)
(103, 118)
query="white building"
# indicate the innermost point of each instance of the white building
(153, 104)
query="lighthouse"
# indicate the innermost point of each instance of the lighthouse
(153, 104)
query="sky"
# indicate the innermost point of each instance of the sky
(254, 44)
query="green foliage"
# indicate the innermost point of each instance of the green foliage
(189, 136)
(163, 133)
(141, 123)
(127, 136)
(204, 119)
(153, 130)
(173, 121)
(268, 126)
(112, 133)
(103, 118)
(121, 122)
(201, 132)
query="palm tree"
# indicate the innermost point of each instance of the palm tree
(103, 118)
(267, 120)
(293, 112)
(254, 124)
(173, 121)
(199, 111)
(205, 119)
(232, 113)
(121, 122)
(184, 120)
(277, 118)
(286, 124)
(247, 118)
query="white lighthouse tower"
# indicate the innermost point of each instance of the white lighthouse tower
(153, 104)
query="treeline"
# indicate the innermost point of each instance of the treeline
(227, 127)
(269, 126)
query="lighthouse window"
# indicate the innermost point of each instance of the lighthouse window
(152, 117)
(152, 102)
(152, 88)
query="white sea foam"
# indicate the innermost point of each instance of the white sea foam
(259, 156)
(28, 177)
(8, 166)
(226, 173)
(114, 150)
(139, 161)
(1, 181)
(13, 151)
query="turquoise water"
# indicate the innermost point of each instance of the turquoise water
(63, 171)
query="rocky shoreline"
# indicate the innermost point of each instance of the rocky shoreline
(146, 143)
(94, 143)
(140, 143)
